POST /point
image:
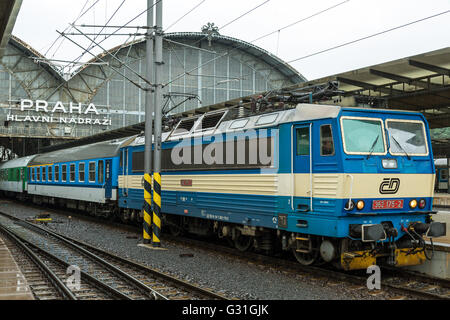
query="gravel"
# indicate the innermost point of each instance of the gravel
(230, 276)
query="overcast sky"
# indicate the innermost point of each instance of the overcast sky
(38, 21)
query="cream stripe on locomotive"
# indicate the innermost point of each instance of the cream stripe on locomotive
(335, 186)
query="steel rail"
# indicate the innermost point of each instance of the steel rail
(149, 292)
(53, 278)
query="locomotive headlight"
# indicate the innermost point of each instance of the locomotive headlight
(413, 204)
(389, 163)
(422, 203)
(360, 205)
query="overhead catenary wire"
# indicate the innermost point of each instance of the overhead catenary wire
(244, 44)
(369, 36)
(179, 19)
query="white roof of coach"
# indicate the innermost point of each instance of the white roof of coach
(18, 162)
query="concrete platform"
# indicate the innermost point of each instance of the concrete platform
(439, 266)
(441, 200)
(13, 285)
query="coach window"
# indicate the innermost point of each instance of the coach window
(72, 172)
(100, 171)
(303, 141)
(326, 141)
(91, 171)
(57, 173)
(38, 174)
(64, 173)
(81, 172)
(50, 173)
(44, 173)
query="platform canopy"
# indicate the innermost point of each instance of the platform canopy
(9, 9)
(417, 83)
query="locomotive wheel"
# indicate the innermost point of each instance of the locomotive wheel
(175, 225)
(306, 259)
(243, 243)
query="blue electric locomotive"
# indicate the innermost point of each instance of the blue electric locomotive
(343, 185)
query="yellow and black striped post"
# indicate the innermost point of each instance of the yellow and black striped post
(156, 209)
(147, 207)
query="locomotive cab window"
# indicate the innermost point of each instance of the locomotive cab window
(326, 141)
(303, 141)
(363, 135)
(407, 137)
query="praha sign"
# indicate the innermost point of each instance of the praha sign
(84, 116)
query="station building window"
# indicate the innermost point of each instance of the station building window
(81, 172)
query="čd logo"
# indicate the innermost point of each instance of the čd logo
(389, 185)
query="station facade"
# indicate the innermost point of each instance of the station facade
(37, 101)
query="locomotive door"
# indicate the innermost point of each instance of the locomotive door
(108, 179)
(302, 200)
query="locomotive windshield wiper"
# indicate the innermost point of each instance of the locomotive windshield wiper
(372, 147)
(407, 155)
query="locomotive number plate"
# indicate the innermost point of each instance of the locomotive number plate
(387, 204)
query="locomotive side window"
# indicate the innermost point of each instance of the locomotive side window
(57, 173)
(137, 161)
(72, 172)
(303, 141)
(100, 171)
(81, 172)
(64, 173)
(326, 141)
(91, 171)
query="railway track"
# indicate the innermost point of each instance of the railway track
(102, 275)
(404, 284)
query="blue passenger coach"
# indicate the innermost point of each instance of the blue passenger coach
(347, 186)
(83, 177)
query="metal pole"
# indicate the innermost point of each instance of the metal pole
(158, 132)
(149, 107)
